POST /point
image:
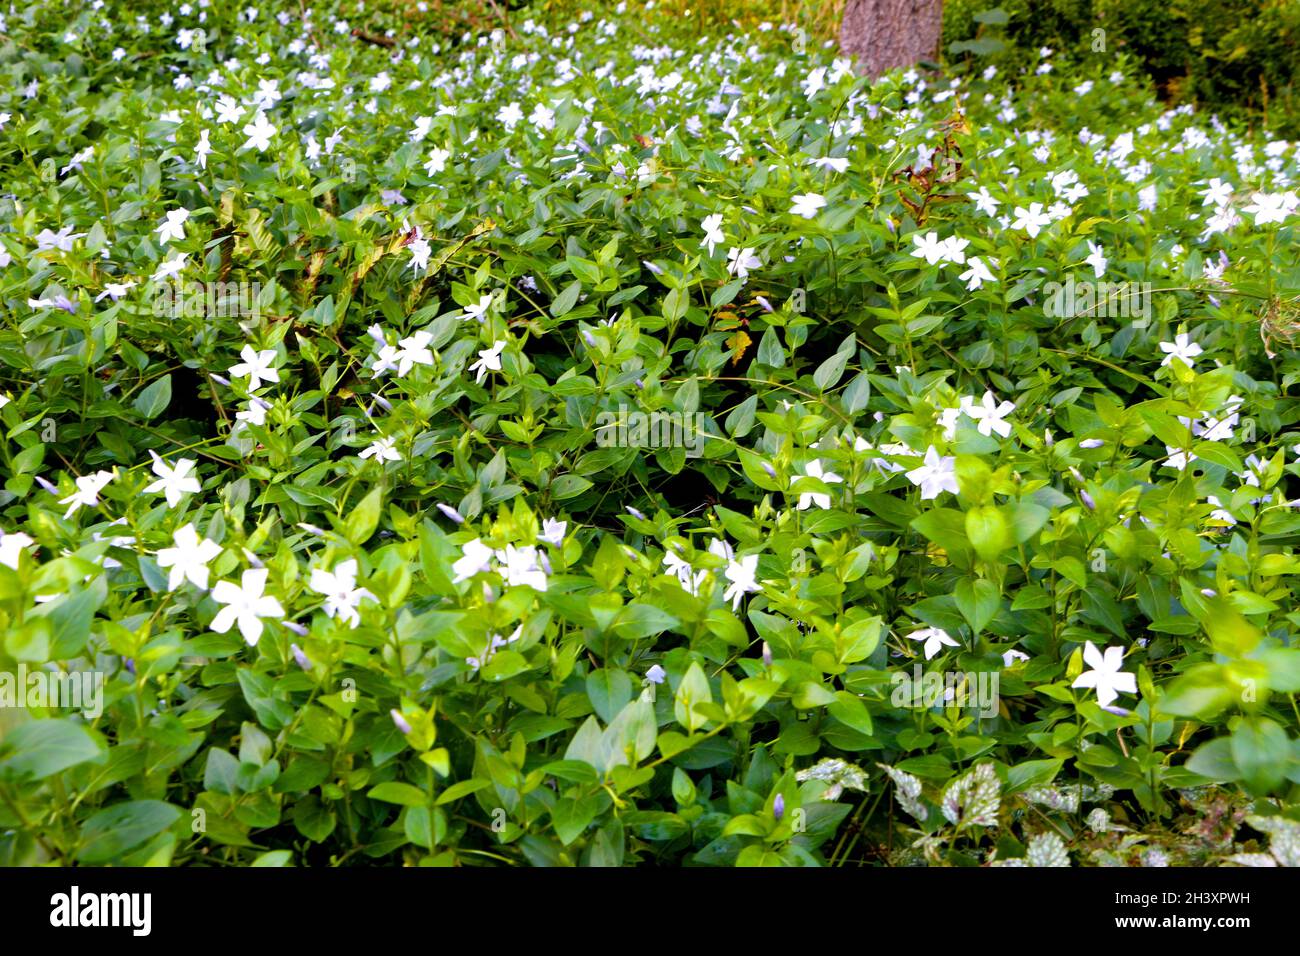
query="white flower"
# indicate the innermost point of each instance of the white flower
(984, 202)
(259, 133)
(479, 309)
(553, 531)
(414, 351)
(989, 415)
(740, 261)
(115, 290)
(87, 493)
(172, 267)
(510, 115)
(1217, 193)
(928, 247)
(519, 566)
(807, 498)
(976, 274)
(189, 559)
(935, 640)
(173, 226)
(806, 205)
(173, 482)
(656, 674)
(11, 547)
(246, 605)
(1181, 347)
(1105, 677)
(475, 558)
(935, 475)
(1269, 207)
(839, 164)
(382, 450)
(437, 161)
(712, 226)
(489, 360)
(256, 365)
(228, 110)
(342, 596)
(543, 117)
(1031, 220)
(420, 250)
(741, 573)
(1096, 259)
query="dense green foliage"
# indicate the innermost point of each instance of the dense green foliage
(560, 446)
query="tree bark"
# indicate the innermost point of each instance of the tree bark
(884, 34)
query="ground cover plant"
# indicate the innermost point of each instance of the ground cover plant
(597, 441)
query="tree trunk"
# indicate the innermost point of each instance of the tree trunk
(884, 34)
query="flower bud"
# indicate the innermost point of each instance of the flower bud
(400, 721)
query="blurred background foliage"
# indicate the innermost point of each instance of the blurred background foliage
(1234, 57)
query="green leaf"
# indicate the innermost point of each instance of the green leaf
(691, 692)
(396, 792)
(111, 832)
(42, 748)
(1261, 750)
(364, 519)
(154, 399)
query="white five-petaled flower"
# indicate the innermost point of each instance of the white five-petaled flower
(437, 161)
(712, 226)
(1181, 347)
(553, 531)
(246, 605)
(420, 250)
(1031, 220)
(229, 110)
(1105, 677)
(935, 638)
(806, 205)
(259, 133)
(656, 674)
(1271, 207)
(1096, 258)
(414, 350)
(173, 226)
(990, 416)
(741, 573)
(489, 360)
(256, 365)
(173, 482)
(821, 500)
(189, 559)
(203, 149)
(382, 450)
(342, 596)
(519, 565)
(740, 261)
(87, 493)
(976, 274)
(935, 475)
